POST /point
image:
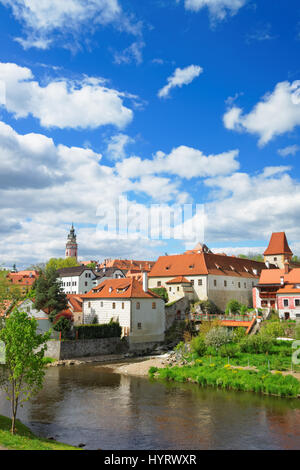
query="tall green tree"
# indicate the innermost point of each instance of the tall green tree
(8, 291)
(59, 263)
(253, 257)
(49, 294)
(24, 365)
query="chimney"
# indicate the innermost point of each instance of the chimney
(286, 267)
(282, 280)
(268, 264)
(145, 282)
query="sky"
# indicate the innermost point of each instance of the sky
(163, 102)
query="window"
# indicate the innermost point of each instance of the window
(114, 305)
(286, 303)
(123, 305)
(239, 284)
(158, 283)
(275, 259)
(153, 305)
(28, 309)
(178, 289)
(101, 304)
(138, 305)
(297, 302)
(215, 283)
(170, 289)
(245, 285)
(225, 283)
(200, 282)
(89, 305)
(139, 325)
(192, 282)
(85, 283)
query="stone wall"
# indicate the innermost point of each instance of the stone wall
(84, 348)
(171, 312)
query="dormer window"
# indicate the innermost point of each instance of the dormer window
(168, 267)
(232, 268)
(192, 266)
(246, 269)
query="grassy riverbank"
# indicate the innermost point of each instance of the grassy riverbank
(24, 439)
(217, 373)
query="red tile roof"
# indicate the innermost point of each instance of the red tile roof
(128, 264)
(205, 263)
(179, 280)
(119, 288)
(278, 245)
(273, 276)
(75, 302)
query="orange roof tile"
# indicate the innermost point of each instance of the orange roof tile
(205, 263)
(179, 280)
(76, 302)
(278, 245)
(119, 288)
(273, 276)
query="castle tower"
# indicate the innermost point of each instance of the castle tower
(278, 250)
(71, 246)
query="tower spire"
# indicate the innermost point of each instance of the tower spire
(72, 246)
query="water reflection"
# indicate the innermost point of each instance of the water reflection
(104, 410)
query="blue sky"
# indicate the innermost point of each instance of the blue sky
(83, 121)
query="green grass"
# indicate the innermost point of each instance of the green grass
(24, 439)
(226, 377)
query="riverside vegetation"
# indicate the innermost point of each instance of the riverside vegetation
(219, 358)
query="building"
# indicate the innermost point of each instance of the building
(136, 267)
(71, 245)
(279, 289)
(140, 312)
(207, 276)
(104, 274)
(75, 304)
(24, 279)
(77, 280)
(278, 251)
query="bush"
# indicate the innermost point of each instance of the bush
(256, 344)
(162, 292)
(63, 325)
(272, 329)
(108, 330)
(297, 331)
(198, 345)
(233, 306)
(228, 350)
(239, 334)
(216, 337)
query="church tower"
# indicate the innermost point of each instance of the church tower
(278, 251)
(71, 246)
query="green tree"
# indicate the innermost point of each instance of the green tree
(49, 293)
(162, 292)
(60, 263)
(62, 325)
(8, 291)
(233, 306)
(253, 257)
(217, 337)
(91, 265)
(24, 366)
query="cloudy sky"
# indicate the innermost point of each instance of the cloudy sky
(164, 102)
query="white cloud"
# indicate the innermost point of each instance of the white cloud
(179, 78)
(133, 53)
(277, 113)
(290, 150)
(63, 103)
(218, 9)
(183, 161)
(41, 18)
(116, 146)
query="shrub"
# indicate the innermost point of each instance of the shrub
(228, 350)
(216, 337)
(256, 344)
(63, 325)
(108, 330)
(233, 306)
(239, 334)
(272, 329)
(297, 331)
(162, 292)
(198, 345)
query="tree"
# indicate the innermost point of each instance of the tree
(63, 325)
(60, 263)
(8, 291)
(217, 337)
(253, 257)
(24, 365)
(233, 306)
(91, 265)
(162, 292)
(49, 293)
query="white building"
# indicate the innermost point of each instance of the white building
(77, 280)
(140, 312)
(104, 274)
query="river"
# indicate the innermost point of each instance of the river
(88, 404)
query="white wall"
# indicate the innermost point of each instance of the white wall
(79, 286)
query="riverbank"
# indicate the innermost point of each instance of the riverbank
(24, 439)
(137, 368)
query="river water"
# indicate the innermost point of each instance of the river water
(88, 404)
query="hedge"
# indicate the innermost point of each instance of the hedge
(108, 330)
